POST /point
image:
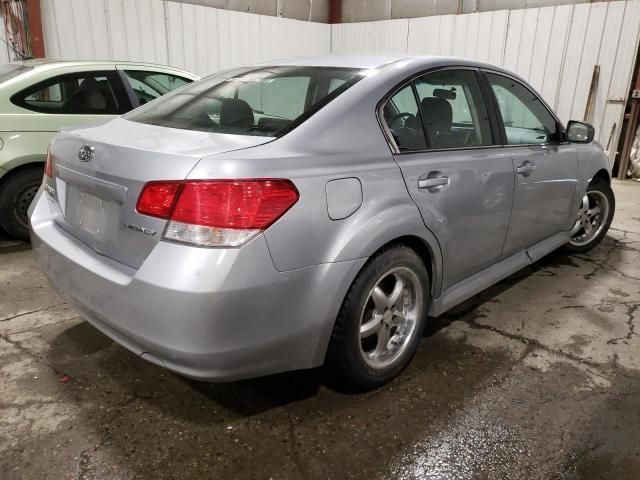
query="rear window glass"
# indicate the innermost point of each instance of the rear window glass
(267, 101)
(10, 70)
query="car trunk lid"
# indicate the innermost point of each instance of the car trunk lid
(99, 173)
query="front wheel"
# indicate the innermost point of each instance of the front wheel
(594, 217)
(381, 320)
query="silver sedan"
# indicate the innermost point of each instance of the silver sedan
(313, 211)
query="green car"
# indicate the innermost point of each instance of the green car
(38, 97)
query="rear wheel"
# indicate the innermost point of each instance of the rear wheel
(381, 320)
(16, 194)
(594, 217)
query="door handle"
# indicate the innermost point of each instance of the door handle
(526, 168)
(433, 182)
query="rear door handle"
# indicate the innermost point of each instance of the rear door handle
(433, 182)
(526, 168)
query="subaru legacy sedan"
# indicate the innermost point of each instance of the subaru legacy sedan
(38, 97)
(313, 211)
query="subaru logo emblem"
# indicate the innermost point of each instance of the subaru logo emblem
(86, 153)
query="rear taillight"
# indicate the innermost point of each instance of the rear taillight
(217, 213)
(48, 164)
(157, 198)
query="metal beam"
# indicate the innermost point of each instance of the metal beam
(35, 28)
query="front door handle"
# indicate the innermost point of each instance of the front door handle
(433, 182)
(526, 168)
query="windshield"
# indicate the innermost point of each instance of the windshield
(267, 101)
(10, 70)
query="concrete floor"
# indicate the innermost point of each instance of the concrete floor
(536, 378)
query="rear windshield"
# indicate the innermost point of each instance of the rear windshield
(10, 70)
(268, 101)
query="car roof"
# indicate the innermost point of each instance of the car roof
(347, 60)
(376, 61)
(45, 63)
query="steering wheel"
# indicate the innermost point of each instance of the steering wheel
(398, 116)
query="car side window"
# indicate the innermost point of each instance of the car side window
(526, 119)
(91, 93)
(148, 86)
(453, 109)
(402, 116)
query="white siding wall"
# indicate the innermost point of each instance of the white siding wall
(554, 48)
(196, 38)
(5, 54)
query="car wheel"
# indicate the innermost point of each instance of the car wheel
(381, 320)
(594, 217)
(16, 194)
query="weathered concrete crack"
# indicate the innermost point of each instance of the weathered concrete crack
(23, 314)
(26, 351)
(531, 342)
(631, 310)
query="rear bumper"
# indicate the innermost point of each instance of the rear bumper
(208, 314)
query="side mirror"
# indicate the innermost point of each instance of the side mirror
(580, 132)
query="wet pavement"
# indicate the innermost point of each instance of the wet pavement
(537, 377)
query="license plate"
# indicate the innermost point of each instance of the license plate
(89, 213)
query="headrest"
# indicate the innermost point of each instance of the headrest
(236, 113)
(437, 111)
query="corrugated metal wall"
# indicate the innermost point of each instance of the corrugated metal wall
(555, 48)
(200, 39)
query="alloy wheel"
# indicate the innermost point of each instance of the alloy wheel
(389, 317)
(592, 217)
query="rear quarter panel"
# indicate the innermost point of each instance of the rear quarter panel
(21, 148)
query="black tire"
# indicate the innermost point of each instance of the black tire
(345, 357)
(16, 193)
(597, 187)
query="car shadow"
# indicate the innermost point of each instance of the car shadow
(87, 354)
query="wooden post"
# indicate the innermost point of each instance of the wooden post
(35, 28)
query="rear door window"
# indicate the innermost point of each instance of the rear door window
(268, 101)
(453, 109)
(91, 93)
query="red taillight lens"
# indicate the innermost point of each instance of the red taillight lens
(217, 212)
(157, 198)
(238, 204)
(48, 164)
